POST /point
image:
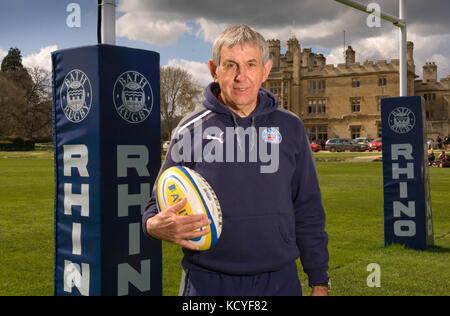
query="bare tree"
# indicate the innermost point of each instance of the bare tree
(179, 95)
(26, 103)
(39, 101)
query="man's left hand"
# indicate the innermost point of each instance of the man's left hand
(319, 291)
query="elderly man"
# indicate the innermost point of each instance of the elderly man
(272, 215)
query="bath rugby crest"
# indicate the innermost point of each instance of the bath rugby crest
(133, 97)
(76, 96)
(402, 120)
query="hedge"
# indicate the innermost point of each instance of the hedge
(15, 143)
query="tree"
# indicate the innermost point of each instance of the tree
(26, 103)
(179, 95)
(13, 69)
(37, 114)
(12, 61)
(11, 97)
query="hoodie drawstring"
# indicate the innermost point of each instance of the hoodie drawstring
(238, 134)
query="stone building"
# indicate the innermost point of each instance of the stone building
(344, 101)
(437, 99)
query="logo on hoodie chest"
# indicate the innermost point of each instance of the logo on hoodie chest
(272, 135)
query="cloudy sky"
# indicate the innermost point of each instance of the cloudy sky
(182, 31)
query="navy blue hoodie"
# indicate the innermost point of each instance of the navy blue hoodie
(269, 218)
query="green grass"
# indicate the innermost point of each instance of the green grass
(353, 200)
(344, 156)
(26, 223)
(352, 197)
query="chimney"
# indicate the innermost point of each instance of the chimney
(292, 46)
(274, 50)
(296, 65)
(429, 72)
(410, 53)
(350, 56)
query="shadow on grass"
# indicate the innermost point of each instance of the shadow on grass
(438, 249)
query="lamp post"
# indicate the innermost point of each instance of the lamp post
(399, 22)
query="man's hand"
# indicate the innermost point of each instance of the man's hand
(168, 226)
(319, 291)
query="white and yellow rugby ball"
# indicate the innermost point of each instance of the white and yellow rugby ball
(178, 182)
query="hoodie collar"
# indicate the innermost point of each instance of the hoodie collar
(267, 101)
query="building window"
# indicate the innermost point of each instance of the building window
(317, 106)
(356, 131)
(382, 81)
(317, 85)
(378, 100)
(312, 133)
(429, 97)
(275, 87)
(355, 83)
(356, 105)
(322, 133)
(319, 132)
(321, 106)
(311, 106)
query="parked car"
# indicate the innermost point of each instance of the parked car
(315, 146)
(338, 144)
(359, 146)
(376, 144)
(362, 140)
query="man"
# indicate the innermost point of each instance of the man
(431, 158)
(271, 214)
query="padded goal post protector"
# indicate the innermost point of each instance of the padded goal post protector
(106, 122)
(407, 201)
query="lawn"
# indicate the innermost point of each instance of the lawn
(26, 223)
(352, 197)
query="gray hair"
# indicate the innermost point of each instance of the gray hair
(240, 34)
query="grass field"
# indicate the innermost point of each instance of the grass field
(353, 200)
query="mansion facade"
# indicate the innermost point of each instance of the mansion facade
(344, 101)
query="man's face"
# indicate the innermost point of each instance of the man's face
(240, 75)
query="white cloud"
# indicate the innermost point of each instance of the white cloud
(431, 48)
(3, 53)
(379, 47)
(42, 59)
(314, 24)
(371, 48)
(209, 31)
(426, 49)
(147, 27)
(199, 71)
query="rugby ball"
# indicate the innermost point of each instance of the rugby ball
(178, 182)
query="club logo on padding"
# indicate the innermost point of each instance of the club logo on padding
(76, 96)
(133, 97)
(402, 120)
